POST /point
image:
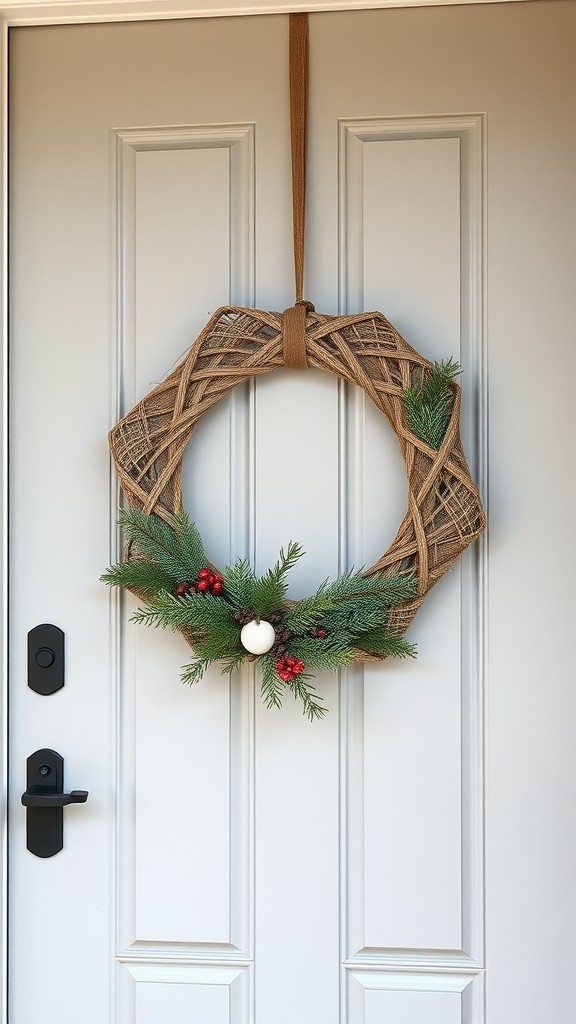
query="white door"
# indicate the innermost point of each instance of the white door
(408, 859)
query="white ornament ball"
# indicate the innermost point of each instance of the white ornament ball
(257, 637)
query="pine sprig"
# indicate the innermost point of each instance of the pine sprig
(428, 403)
(390, 589)
(195, 611)
(192, 673)
(223, 642)
(394, 588)
(323, 656)
(270, 590)
(305, 613)
(355, 615)
(239, 581)
(234, 662)
(360, 602)
(271, 687)
(307, 694)
(191, 541)
(378, 641)
(140, 576)
(178, 552)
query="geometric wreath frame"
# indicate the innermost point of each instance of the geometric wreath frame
(444, 513)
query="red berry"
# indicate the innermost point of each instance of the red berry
(218, 578)
(321, 633)
(181, 589)
(216, 588)
(287, 668)
(202, 585)
(204, 574)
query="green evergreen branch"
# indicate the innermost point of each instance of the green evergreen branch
(207, 611)
(192, 673)
(367, 601)
(191, 542)
(320, 655)
(270, 590)
(354, 615)
(394, 588)
(239, 581)
(378, 641)
(343, 586)
(195, 611)
(390, 589)
(140, 576)
(155, 614)
(223, 641)
(428, 403)
(271, 687)
(305, 613)
(307, 694)
(178, 552)
(234, 662)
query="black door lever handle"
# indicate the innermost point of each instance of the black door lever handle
(32, 799)
(44, 801)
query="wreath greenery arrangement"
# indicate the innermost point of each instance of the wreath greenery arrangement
(232, 616)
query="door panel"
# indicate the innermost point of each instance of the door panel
(235, 864)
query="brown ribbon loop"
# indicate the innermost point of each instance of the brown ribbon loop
(298, 63)
(294, 336)
(294, 319)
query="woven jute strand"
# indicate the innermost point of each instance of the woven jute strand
(444, 512)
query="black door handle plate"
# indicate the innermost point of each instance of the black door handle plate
(44, 801)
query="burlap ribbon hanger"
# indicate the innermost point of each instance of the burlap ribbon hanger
(294, 318)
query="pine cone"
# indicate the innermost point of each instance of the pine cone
(244, 615)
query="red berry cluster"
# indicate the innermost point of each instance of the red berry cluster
(287, 668)
(207, 582)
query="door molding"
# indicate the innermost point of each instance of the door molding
(58, 12)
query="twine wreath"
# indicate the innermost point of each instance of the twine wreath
(443, 516)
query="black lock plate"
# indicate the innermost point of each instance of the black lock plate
(44, 825)
(46, 659)
(45, 800)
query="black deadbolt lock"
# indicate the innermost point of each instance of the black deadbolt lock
(46, 659)
(44, 801)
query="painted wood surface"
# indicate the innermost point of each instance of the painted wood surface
(234, 864)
